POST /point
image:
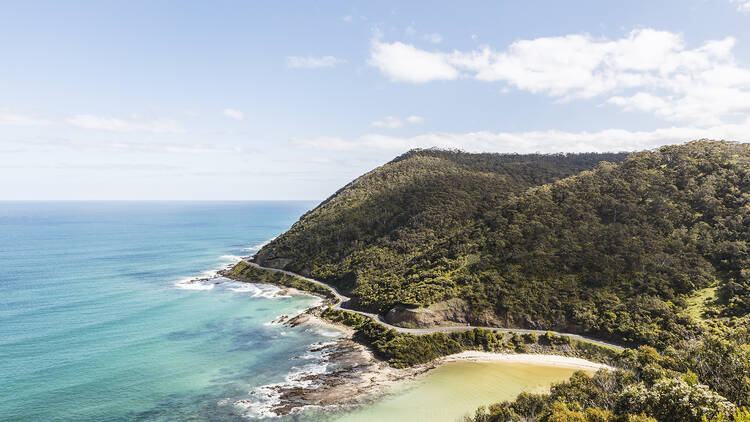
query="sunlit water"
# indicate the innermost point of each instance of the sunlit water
(457, 389)
(93, 327)
(99, 321)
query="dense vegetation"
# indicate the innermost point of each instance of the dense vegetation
(706, 380)
(245, 272)
(403, 350)
(615, 252)
(373, 237)
(649, 250)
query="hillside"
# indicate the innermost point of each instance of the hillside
(598, 244)
(367, 234)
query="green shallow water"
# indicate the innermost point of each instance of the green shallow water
(97, 323)
(457, 389)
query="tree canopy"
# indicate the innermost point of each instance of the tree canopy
(647, 249)
(603, 244)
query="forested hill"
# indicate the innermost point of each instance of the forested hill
(375, 225)
(600, 244)
(408, 206)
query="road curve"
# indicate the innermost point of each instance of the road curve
(343, 300)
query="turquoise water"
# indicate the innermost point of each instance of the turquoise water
(94, 324)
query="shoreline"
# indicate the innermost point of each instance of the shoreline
(361, 378)
(545, 359)
(558, 361)
(358, 378)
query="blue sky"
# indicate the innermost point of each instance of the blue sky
(291, 100)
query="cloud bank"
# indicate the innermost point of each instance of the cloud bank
(11, 118)
(648, 70)
(116, 124)
(390, 122)
(546, 141)
(742, 5)
(234, 114)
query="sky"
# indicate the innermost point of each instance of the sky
(291, 100)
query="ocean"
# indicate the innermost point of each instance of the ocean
(101, 320)
(113, 311)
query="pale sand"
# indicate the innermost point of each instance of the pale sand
(537, 359)
(367, 378)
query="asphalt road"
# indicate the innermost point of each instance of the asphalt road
(342, 300)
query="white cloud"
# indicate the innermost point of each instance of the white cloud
(434, 38)
(547, 141)
(130, 146)
(391, 122)
(406, 63)
(115, 124)
(311, 62)
(347, 18)
(8, 117)
(742, 5)
(647, 70)
(234, 114)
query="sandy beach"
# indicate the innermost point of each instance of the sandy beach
(558, 361)
(356, 376)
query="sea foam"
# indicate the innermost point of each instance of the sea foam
(191, 284)
(207, 280)
(266, 398)
(258, 246)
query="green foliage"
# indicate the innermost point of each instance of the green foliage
(398, 349)
(612, 249)
(704, 380)
(674, 399)
(246, 272)
(565, 412)
(741, 415)
(403, 350)
(639, 418)
(405, 233)
(649, 250)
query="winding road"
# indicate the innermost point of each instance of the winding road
(343, 300)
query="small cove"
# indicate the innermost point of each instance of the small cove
(98, 322)
(455, 389)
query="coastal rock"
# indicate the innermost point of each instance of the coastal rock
(456, 311)
(299, 319)
(347, 375)
(266, 258)
(277, 263)
(448, 312)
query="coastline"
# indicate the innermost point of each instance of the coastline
(358, 376)
(558, 361)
